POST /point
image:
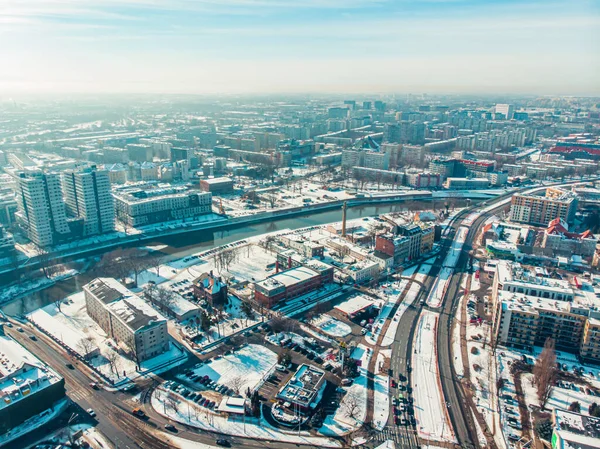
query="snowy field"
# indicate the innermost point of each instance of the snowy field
(381, 401)
(430, 410)
(391, 296)
(409, 299)
(436, 295)
(331, 326)
(248, 365)
(71, 324)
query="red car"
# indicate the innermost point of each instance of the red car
(393, 383)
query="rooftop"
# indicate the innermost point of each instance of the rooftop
(577, 431)
(303, 386)
(21, 373)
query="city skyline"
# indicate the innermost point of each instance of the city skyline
(262, 46)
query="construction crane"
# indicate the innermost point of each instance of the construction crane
(221, 208)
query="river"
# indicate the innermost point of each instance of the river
(178, 246)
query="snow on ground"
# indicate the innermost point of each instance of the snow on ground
(381, 399)
(23, 288)
(331, 326)
(191, 414)
(71, 324)
(409, 299)
(35, 422)
(188, 444)
(391, 295)
(560, 397)
(341, 423)
(251, 264)
(438, 290)
(252, 364)
(389, 444)
(430, 410)
(317, 335)
(456, 342)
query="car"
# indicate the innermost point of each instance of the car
(397, 420)
(94, 385)
(33, 337)
(346, 382)
(170, 427)
(279, 367)
(91, 412)
(20, 329)
(223, 442)
(393, 383)
(69, 365)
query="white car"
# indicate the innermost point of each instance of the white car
(91, 412)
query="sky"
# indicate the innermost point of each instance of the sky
(542, 47)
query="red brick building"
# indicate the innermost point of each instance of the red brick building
(210, 288)
(290, 284)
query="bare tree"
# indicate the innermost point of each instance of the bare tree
(114, 361)
(544, 372)
(58, 304)
(86, 346)
(236, 383)
(171, 402)
(352, 406)
(247, 310)
(155, 260)
(122, 263)
(164, 299)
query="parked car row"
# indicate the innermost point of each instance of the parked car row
(197, 397)
(209, 384)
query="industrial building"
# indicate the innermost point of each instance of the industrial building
(304, 390)
(217, 185)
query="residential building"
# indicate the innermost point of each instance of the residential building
(7, 242)
(574, 430)
(497, 178)
(28, 387)
(422, 180)
(564, 243)
(144, 205)
(412, 155)
(306, 248)
(88, 196)
(41, 213)
(507, 110)
(135, 326)
(529, 308)
(540, 210)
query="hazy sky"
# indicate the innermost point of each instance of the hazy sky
(212, 46)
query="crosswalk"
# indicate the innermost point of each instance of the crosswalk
(403, 438)
(79, 394)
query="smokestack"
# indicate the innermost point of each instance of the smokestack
(276, 267)
(344, 206)
(289, 262)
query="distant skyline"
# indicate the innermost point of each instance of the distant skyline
(296, 46)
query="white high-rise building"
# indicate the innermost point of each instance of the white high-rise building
(508, 110)
(88, 196)
(41, 208)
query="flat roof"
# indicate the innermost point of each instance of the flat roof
(288, 278)
(219, 180)
(17, 383)
(355, 304)
(303, 386)
(576, 430)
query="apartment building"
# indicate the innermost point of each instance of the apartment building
(540, 210)
(88, 196)
(148, 204)
(529, 308)
(565, 243)
(126, 318)
(41, 209)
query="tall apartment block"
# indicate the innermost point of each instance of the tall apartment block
(541, 210)
(41, 211)
(88, 196)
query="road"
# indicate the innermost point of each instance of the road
(115, 421)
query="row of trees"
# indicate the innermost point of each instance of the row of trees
(124, 262)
